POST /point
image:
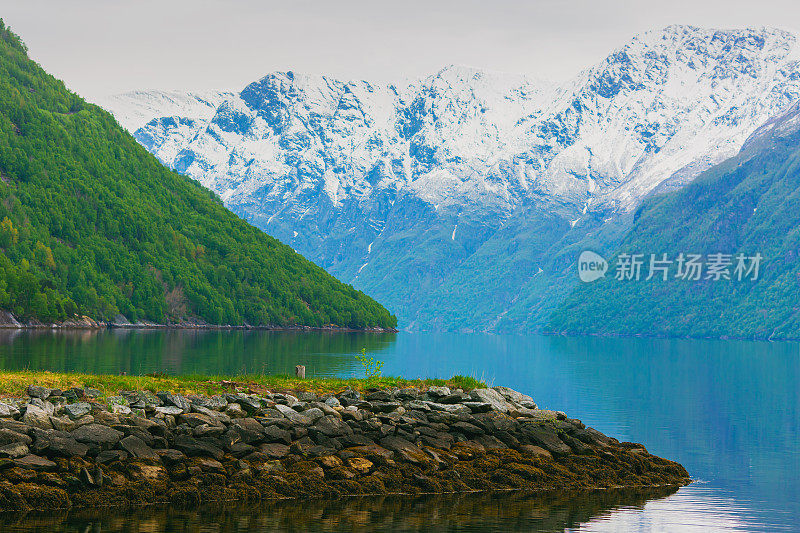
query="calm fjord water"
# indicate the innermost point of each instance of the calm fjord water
(727, 410)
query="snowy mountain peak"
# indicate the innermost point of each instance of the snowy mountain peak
(332, 166)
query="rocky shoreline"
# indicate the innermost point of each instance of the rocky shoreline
(74, 449)
(9, 321)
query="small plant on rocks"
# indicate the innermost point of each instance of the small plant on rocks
(372, 367)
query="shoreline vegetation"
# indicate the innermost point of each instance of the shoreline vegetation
(9, 321)
(81, 441)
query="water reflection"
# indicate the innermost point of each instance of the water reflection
(729, 411)
(187, 351)
(465, 512)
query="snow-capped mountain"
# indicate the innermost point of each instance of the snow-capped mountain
(453, 199)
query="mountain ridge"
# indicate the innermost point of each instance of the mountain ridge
(405, 191)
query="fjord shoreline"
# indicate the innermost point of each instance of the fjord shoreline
(133, 443)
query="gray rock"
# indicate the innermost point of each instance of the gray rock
(438, 392)
(306, 396)
(35, 391)
(330, 426)
(419, 405)
(333, 401)
(274, 450)
(379, 396)
(234, 410)
(37, 417)
(492, 397)
(205, 431)
(198, 419)
(250, 405)
(385, 407)
(313, 414)
(294, 416)
(9, 436)
(8, 411)
(77, 410)
(197, 448)
(171, 410)
(478, 407)
(175, 400)
(545, 437)
(14, 450)
(66, 447)
(137, 448)
(119, 409)
(407, 394)
(276, 434)
(217, 402)
(456, 397)
(62, 423)
(455, 409)
(98, 435)
(109, 456)
(249, 430)
(34, 462)
(516, 397)
(467, 429)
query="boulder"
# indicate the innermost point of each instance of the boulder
(77, 410)
(545, 437)
(66, 447)
(35, 391)
(175, 400)
(405, 450)
(7, 410)
(34, 462)
(197, 448)
(516, 397)
(330, 426)
(137, 448)
(14, 450)
(274, 450)
(37, 417)
(294, 416)
(492, 397)
(9, 436)
(98, 435)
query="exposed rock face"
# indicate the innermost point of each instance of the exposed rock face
(276, 445)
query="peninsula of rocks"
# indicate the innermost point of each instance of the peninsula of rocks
(75, 448)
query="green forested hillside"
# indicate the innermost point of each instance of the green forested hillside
(91, 223)
(747, 205)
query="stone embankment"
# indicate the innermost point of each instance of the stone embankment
(71, 449)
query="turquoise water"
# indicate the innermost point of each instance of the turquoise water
(729, 411)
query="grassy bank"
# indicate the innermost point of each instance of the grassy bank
(15, 383)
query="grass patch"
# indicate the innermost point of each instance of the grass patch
(15, 383)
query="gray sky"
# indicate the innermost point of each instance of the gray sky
(102, 47)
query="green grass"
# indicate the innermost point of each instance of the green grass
(14, 383)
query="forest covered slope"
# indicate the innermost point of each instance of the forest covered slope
(92, 224)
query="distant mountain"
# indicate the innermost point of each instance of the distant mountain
(746, 207)
(461, 199)
(92, 224)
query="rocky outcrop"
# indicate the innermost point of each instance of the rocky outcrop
(69, 449)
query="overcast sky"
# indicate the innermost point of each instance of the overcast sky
(102, 47)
